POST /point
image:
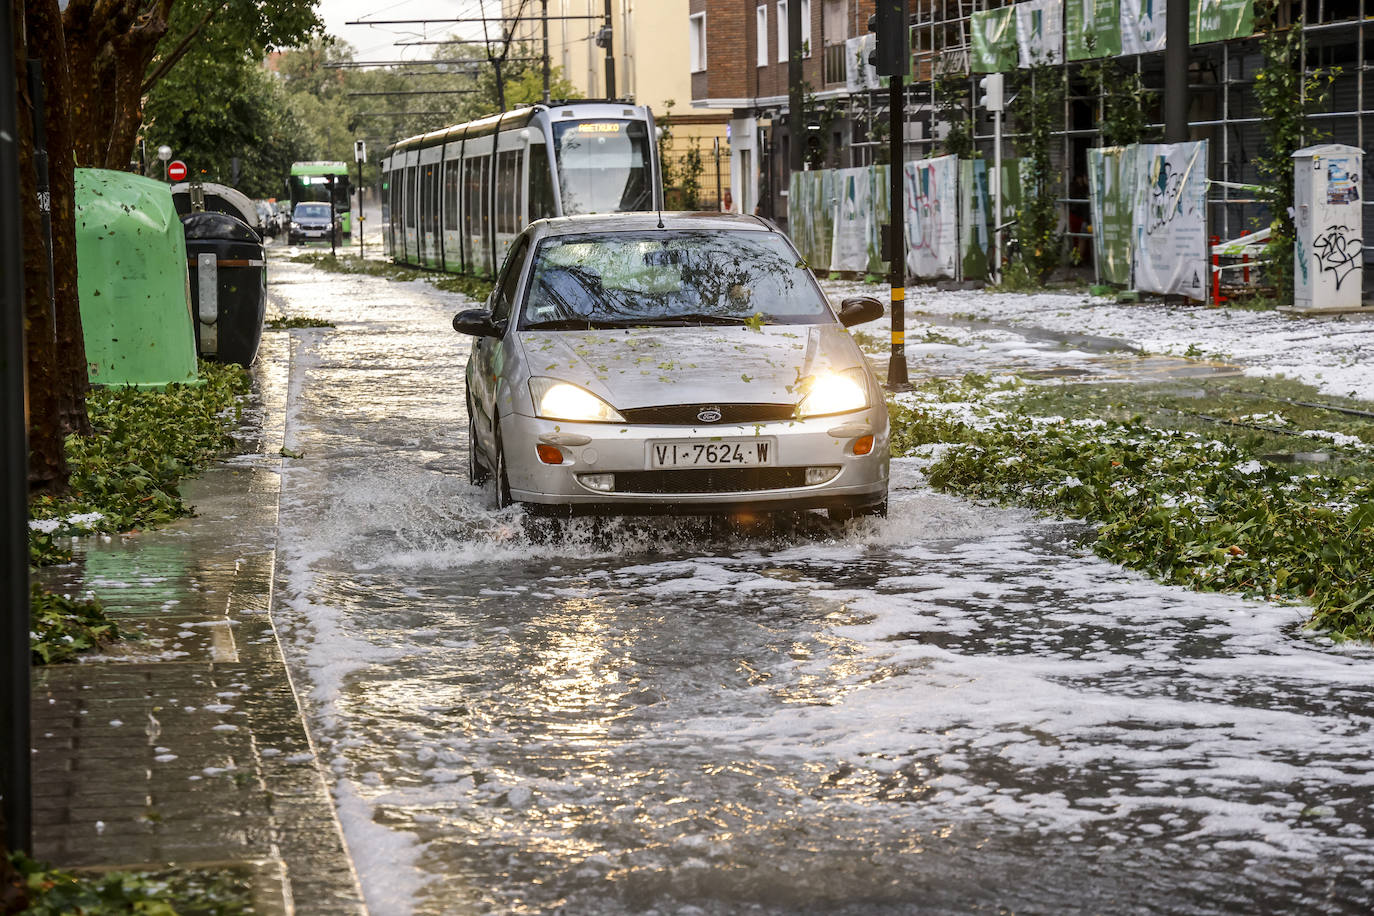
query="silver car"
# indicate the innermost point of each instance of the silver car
(675, 363)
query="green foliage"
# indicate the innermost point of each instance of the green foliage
(1122, 116)
(145, 442)
(62, 628)
(820, 117)
(1286, 98)
(951, 90)
(1187, 508)
(217, 103)
(692, 167)
(681, 173)
(1038, 110)
(171, 892)
(236, 111)
(295, 321)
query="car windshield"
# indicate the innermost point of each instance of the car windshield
(670, 278)
(603, 166)
(312, 211)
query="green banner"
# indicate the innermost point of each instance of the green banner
(994, 40)
(1092, 28)
(1111, 183)
(1219, 20)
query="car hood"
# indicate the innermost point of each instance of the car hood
(646, 367)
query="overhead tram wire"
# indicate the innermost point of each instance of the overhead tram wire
(417, 92)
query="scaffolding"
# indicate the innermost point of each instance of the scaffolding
(1222, 106)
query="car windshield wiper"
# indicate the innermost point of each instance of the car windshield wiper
(576, 324)
(694, 318)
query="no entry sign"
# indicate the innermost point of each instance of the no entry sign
(176, 170)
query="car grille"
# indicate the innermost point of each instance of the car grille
(687, 414)
(709, 480)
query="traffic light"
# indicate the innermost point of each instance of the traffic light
(891, 46)
(991, 88)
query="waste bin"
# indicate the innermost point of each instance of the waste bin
(228, 286)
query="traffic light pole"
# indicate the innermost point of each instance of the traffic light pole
(896, 365)
(997, 196)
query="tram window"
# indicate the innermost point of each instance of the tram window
(432, 200)
(411, 202)
(475, 174)
(451, 194)
(603, 166)
(541, 185)
(508, 192)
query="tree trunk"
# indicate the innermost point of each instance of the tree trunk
(47, 458)
(45, 37)
(13, 894)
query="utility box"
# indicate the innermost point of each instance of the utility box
(1328, 252)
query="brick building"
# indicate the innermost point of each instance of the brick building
(739, 54)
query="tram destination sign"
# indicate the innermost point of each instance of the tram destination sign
(176, 170)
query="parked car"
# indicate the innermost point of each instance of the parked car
(268, 217)
(310, 221)
(682, 363)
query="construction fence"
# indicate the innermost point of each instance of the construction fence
(1148, 204)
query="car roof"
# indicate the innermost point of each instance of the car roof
(644, 221)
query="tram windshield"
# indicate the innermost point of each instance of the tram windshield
(603, 166)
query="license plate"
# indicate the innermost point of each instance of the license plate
(711, 453)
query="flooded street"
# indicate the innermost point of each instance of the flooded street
(955, 709)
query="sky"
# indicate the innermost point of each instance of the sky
(378, 42)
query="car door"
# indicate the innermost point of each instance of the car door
(491, 355)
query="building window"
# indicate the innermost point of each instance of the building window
(782, 29)
(696, 41)
(761, 13)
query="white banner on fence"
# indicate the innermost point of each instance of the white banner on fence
(1040, 32)
(1170, 216)
(849, 245)
(859, 74)
(1142, 26)
(932, 217)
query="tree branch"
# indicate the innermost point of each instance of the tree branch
(180, 50)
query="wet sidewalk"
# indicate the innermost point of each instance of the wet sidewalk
(187, 746)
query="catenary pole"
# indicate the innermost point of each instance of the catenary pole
(796, 119)
(610, 54)
(15, 765)
(544, 20)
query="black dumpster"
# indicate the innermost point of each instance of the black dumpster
(228, 286)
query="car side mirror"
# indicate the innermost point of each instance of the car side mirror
(477, 323)
(859, 309)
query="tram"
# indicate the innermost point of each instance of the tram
(455, 198)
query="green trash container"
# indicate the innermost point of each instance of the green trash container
(132, 281)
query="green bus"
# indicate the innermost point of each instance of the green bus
(309, 181)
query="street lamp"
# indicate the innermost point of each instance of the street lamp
(164, 153)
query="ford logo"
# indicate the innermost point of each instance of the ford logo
(709, 415)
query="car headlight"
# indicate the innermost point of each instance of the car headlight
(555, 400)
(834, 392)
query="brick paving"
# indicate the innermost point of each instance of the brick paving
(188, 746)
